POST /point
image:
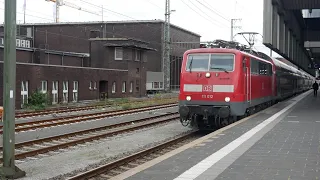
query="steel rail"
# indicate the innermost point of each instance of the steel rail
(91, 135)
(61, 110)
(121, 163)
(80, 118)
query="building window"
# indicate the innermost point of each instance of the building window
(161, 85)
(44, 87)
(94, 85)
(75, 91)
(118, 54)
(138, 55)
(131, 87)
(24, 92)
(137, 85)
(94, 34)
(65, 91)
(55, 92)
(156, 85)
(123, 86)
(90, 85)
(113, 87)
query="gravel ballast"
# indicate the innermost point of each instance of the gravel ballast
(65, 114)
(68, 128)
(77, 158)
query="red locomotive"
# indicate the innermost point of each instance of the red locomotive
(221, 85)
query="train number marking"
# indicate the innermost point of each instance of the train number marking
(206, 88)
(207, 96)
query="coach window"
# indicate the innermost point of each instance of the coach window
(197, 62)
(270, 70)
(254, 66)
(262, 68)
(222, 62)
(118, 53)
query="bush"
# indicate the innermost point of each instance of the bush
(37, 100)
(126, 106)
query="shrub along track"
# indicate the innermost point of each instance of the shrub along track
(81, 118)
(72, 109)
(45, 145)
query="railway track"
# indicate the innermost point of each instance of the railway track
(61, 110)
(80, 118)
(45, 145)
(119, 166)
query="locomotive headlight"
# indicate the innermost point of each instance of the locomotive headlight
(188, 98)
(208, 75)
(227, 99)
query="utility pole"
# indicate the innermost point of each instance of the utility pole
(9, 170)
(102, 12)
(57, 11)
(24, 11)
(233, 21)
(166, 49)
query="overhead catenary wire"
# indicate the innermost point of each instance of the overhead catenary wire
(227, 19)
(201, 14)
(75, 37)
(90, 28)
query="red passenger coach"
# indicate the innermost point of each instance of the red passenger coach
(220, 85)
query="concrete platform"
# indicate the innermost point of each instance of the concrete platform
(281, 142)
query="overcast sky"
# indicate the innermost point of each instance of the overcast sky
(209, 18)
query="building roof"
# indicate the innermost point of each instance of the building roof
(107, 22)
(119, 39)
(48, 51)
(124, 42)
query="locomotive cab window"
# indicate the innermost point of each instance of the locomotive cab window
(223, 62)
(197, 62)
(210, 62)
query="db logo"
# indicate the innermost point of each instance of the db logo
(207, 88)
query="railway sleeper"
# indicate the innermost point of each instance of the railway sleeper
(106, 176)
(125, 168)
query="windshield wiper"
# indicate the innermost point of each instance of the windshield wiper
(223, 69)
(190, 65)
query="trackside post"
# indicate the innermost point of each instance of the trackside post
(9, 170)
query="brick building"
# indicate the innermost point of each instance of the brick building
(73, 37)
(70, 77)
(84, 61)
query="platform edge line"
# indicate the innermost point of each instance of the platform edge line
(212, 159)
(159, 159)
